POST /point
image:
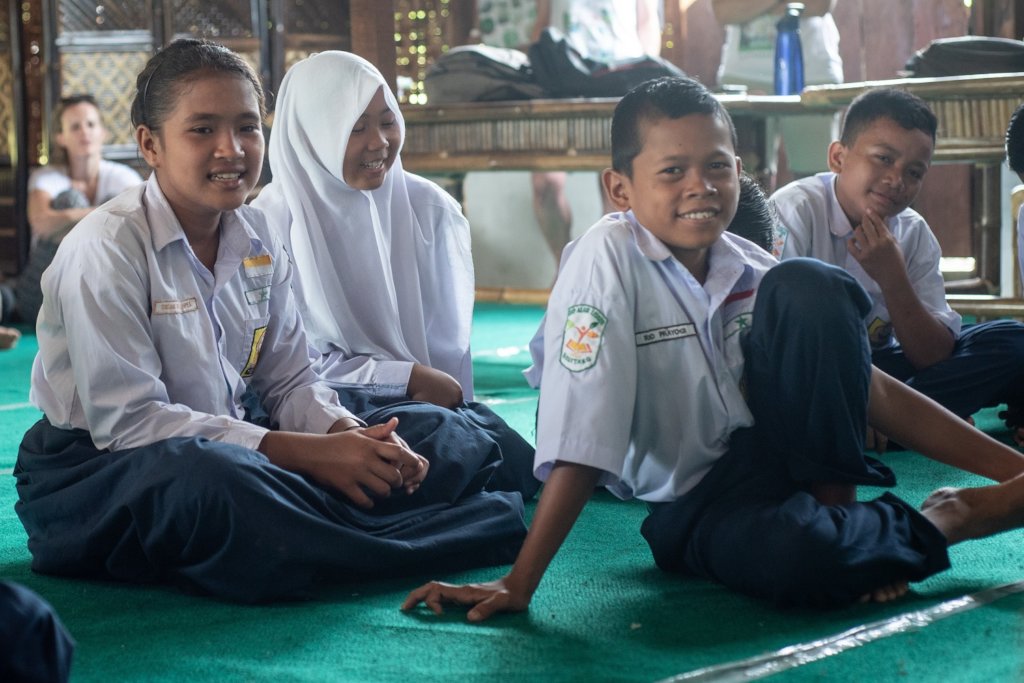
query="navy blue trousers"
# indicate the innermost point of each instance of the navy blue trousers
(469, 427)
(986, 369)
(751, 523)
(34, 646)
(223, 520)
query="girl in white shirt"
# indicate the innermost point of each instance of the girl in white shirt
(165, 313)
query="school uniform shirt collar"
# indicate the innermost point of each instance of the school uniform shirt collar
(838, 224)
(237, 236)
(727, 263)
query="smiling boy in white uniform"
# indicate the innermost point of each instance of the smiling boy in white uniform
(681, 367)
(858, 217)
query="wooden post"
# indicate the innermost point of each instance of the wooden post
(373, 35)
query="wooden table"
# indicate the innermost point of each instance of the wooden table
(541, 135)
(574, 135)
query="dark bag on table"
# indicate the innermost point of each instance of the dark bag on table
(564, 72)
(479, 73)
(966, 55)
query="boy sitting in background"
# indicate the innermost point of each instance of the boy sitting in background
(680, 365)
(857, 217)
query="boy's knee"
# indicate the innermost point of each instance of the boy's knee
(813, 285)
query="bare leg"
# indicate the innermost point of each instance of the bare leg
(962, 514)
(551, 207)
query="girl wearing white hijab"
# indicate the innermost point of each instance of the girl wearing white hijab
(384, 274)
(387, 286)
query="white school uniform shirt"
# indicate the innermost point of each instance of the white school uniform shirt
(139, 342)
(812, 223)
(640, 365)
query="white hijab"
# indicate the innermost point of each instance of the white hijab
(383, 273)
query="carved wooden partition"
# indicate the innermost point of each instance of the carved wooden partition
(13, 228)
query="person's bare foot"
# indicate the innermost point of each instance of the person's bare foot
(9, 337)
(887, 593)
(962, 514)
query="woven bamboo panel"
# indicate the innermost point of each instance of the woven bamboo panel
(109, 15)
(421, 27)
(568, 135)
(291, 57)
(974, 119)
(110, 78)
(224, 19)
(316, 17)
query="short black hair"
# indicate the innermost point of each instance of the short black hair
(756, 216)
(667, 97)
(1015, 140)
(905, 108)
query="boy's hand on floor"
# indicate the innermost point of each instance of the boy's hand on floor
(483, 599)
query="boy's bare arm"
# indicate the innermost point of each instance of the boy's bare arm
(565, 492)
(919, 423)
(925, 339)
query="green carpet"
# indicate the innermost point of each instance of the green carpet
(603, 612)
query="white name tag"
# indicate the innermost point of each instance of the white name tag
(189, 305)
(669, 333)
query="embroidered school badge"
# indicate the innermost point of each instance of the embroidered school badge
(738, 324)
(581, 337)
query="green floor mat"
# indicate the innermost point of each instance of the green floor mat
(603, 611)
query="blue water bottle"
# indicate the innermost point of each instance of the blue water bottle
(789, 55)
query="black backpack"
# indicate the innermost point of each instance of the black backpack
(479, 73)
(564, 72)
(965, 55)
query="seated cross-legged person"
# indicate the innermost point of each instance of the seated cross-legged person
(168, 319)
(384, 274)
(857, 217)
